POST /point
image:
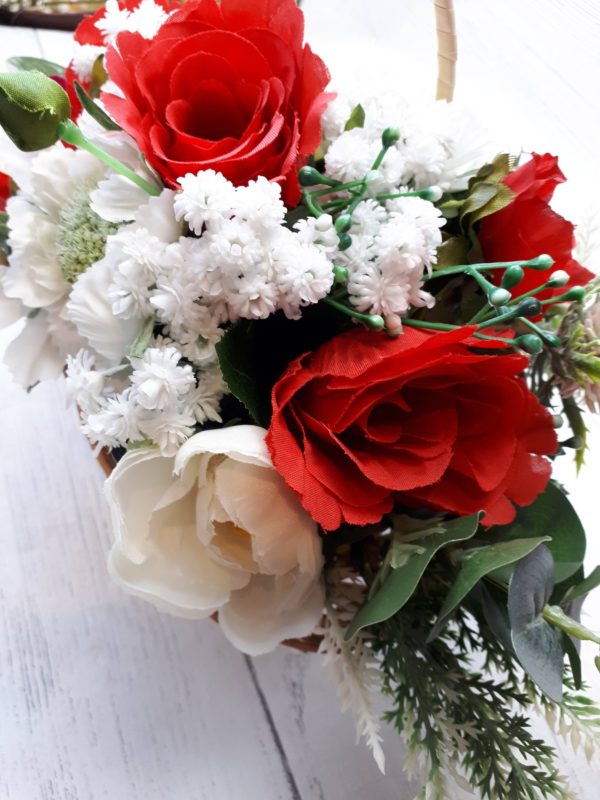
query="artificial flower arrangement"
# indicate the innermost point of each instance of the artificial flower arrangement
(326, 349)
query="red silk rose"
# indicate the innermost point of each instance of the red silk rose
(528, 227)
(428, 419)
(225, 86)
(4, 190)
(87, 32)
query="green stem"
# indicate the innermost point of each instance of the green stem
(336, 187)
(444, 326)
(312, 205)
(372, 320)
(70, 133)
(420, 193)
(533, 263)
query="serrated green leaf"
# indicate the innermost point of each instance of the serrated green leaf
(536, 643)
(32, 108)
(356, 118)
(478, 563)
(31, 64)
(233, 352)
(551, 514)
(94, 110)
(400, 583)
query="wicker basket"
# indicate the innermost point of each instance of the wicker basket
(55, 14)
(444, 13)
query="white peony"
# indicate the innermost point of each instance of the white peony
(215, 529)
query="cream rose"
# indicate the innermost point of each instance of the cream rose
(217, 529)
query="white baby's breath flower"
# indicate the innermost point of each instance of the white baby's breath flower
(84, 383)
(203, 401)
(232, 538)
(169, 429)
(145, 19)
(319, 232)
(115, 422)
(158, 379)
(260, 204)
(205, 199)
(351, 155)
(303, 273)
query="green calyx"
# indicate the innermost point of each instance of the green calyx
(83, 235)
(32, 108)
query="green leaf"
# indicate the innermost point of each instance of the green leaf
(452, 252)
(234, 354)
(587, 585)
(476, 564)
(31, 64)
(4, 232)
(570, 650)
(32, 108)
(356, 118)
(142, 340)
(94, 110)
(577, 424)
(551, 514)
(537, 644)
(400, 583)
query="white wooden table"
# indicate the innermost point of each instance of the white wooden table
(102, 697)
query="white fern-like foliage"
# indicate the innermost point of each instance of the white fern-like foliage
(577, 721)
(587, 240)
(353, 665)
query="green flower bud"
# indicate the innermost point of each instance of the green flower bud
(390, 136)
(530, 343)
(512, 276)
(541, 262)
(577, 293)
(499, 297)
(343, 223)
(529, 307)
(309, 176)
(32, 109)
(345, 241)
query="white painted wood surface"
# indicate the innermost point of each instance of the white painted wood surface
(102, 697)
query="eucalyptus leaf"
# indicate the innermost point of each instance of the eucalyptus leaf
(551, 514)
(400, 583)
(536, 643)
(31, 64)
(94, 110)
(476, 564)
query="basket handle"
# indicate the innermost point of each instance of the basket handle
(447, 51)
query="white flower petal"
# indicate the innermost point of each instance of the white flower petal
(117, 199)
(90, 310)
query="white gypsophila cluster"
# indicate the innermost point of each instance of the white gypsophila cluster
(145, 19)
(439, 144)
(245, 263)
(156, 398)
(392, 246)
